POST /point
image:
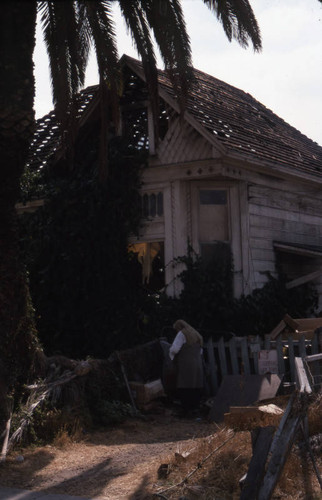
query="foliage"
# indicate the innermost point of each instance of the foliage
(207, 300)
(261, 311)
(207, 297)
(83, 284)
(111, 412)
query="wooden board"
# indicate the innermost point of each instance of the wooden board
(243, 390)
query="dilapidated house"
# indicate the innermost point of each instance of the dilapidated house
(229, 171)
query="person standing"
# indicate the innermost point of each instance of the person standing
(186, 352)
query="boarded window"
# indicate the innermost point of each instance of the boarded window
(213, 216)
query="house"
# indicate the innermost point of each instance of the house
(229, 170)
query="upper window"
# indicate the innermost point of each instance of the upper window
(152, 205)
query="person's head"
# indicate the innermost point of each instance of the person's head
(189, 332)
(180, 324)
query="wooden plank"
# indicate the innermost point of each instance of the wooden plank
(280, 356)
(245, 356)
(257, 464)
(284, 418)
(233, 356)
(291, 322)
(302, 381)
(303, 279)
(278, 329)
(212, 366)
(284, 198)
(243, 390)
(222, 357)
(282, 447)
(244, 409)
(313, 357)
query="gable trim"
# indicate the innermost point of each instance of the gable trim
(186, 116)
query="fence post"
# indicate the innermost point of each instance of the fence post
(280, 356)
(302, 347)
(222, 356)
(291, 358)
(245, 355)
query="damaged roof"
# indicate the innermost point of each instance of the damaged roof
(242, 125)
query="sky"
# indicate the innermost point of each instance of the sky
(286, 76)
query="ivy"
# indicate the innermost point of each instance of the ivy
(208, 303)
(83, 284)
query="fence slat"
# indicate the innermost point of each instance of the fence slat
(222, 356)
(291, 358)
(212, 366)
(315, 344)
(280, 356)
(233, 356)
(245, 355)
(256, 347)
(302, 349)
(267, 342)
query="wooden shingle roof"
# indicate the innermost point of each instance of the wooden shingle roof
(244, 126)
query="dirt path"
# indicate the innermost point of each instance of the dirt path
(114, 464)
(122, 463)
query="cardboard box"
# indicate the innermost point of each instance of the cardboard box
(145, 393)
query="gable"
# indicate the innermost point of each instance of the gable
(182, 143)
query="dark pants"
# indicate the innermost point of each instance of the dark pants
(189, 398)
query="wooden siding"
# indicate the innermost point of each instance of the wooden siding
(291, 216)
(182, 143)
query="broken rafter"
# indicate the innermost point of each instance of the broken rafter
(303, 279)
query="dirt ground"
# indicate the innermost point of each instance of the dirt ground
(141, 458)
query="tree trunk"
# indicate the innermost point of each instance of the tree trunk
(18, 343)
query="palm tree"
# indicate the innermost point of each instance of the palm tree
(70, 27)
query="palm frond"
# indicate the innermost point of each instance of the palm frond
(67, 55)
(102, 32)
(167, 22)
(238, 20)
(139, 29)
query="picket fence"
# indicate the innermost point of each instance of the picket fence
(240, 355)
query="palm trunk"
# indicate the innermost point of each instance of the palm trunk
(18, 341)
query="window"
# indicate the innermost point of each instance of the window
(152, 205)
(213, 215)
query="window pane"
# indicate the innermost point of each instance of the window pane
(153, 205)
(160, 204)
(213, 197)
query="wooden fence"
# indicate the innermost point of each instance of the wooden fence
(240, 355)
